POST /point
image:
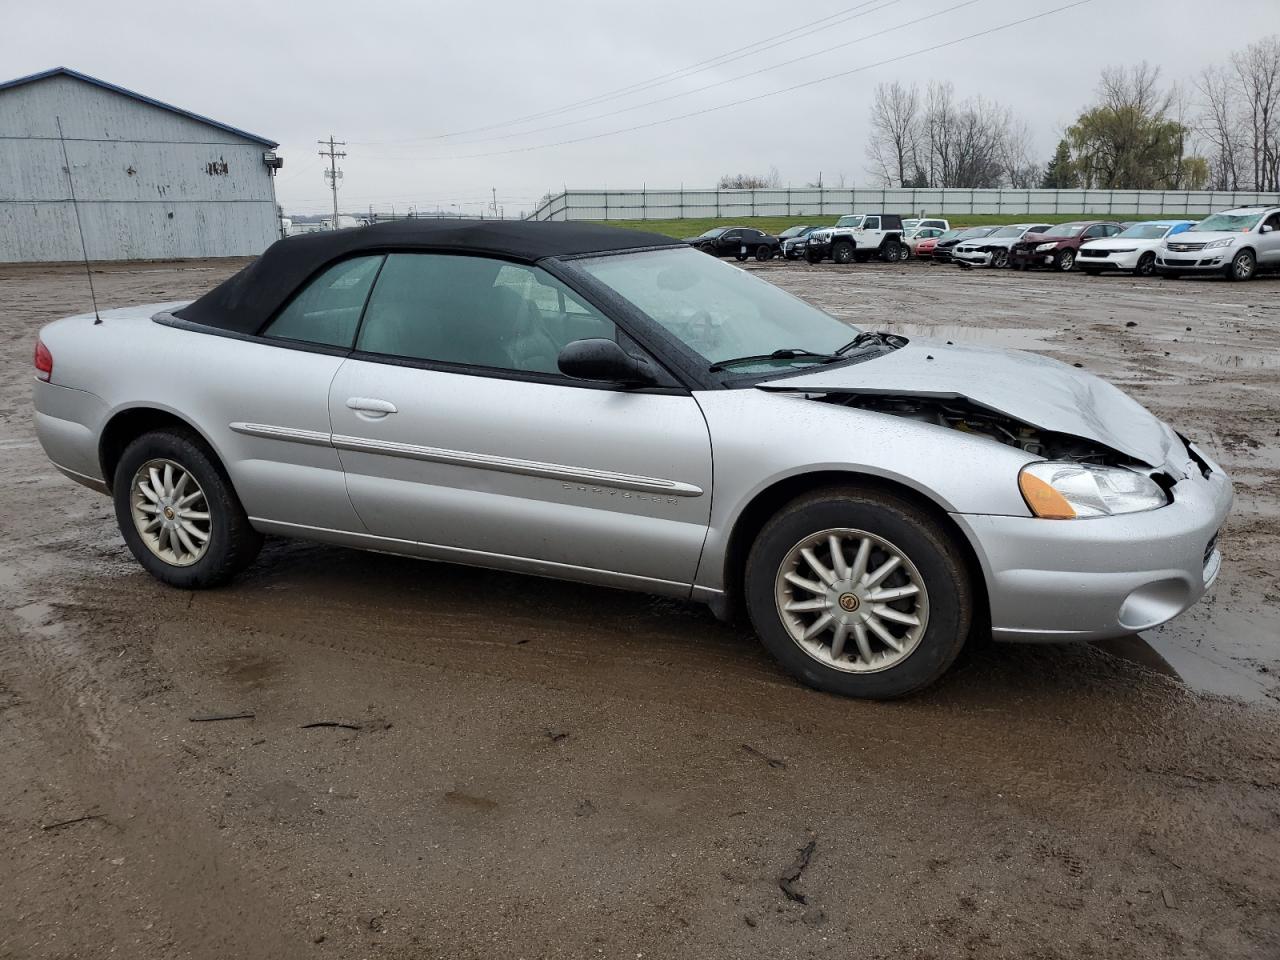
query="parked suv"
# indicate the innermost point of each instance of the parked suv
(859, 236)
(794, 240)
(1057, 247)
(993, 250)
(1237, 243)
(740, 242)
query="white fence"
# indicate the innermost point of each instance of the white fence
(681, 204)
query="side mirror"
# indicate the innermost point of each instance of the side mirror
(1267, 228)
(600, 359)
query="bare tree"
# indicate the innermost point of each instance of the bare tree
(894, 145)
(1218, 123)
(749, 181)
(1257, 70)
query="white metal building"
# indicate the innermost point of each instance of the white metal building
(153, 181)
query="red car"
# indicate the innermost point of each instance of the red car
(1056, 247)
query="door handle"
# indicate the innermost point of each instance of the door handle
(370, 408)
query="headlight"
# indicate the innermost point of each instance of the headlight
(1060, 490)
(1045, 247)
(1224, 242)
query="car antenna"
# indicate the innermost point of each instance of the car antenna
(75, 206)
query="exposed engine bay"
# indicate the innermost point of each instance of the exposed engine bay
(964, 415)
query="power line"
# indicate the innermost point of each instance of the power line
(840, 16)
(767, 95)
(735, 79)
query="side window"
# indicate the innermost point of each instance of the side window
(732, 235)
(476, 312)
(1097, 230)
(327, 310)
(872, 223)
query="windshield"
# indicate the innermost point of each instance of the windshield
(849, 222)
(1144, 231)
(1007, 232)
(1063, 230)
(1227, 223)
(712, 233)
(973, 233)
(791, 232)
(718, 311)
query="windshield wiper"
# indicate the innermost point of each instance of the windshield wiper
(872, 336)
(787, 353)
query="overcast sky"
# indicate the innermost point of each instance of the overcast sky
(396, 79)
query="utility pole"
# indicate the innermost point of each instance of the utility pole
(494, 206)
(333, 174)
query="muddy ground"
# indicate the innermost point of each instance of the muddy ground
(549, 770)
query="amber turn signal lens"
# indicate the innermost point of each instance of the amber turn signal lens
(1043, 500)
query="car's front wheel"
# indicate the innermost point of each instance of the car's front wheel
(178, 513)
(764, 252)
(859, 593)
(1146, 265)
(1243, 266)
(1000, 259)
(842, 252)
(1065, 261)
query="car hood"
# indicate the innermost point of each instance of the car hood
(1035, 238)
(1207, 236)
(990, 242)
(1116, 243)
(1037, 390)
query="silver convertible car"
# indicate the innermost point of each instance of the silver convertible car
(602, 405)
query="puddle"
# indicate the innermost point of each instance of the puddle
(1014, 338)
(1201, 669)
(1232, 361)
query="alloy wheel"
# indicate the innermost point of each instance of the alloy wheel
(1242, 265)
(1067, 261)
(170, 512)
(852, 600)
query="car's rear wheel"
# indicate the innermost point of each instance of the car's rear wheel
(859, 593)
(1146, 265)
(890, 251)
(1243, 266)
(842, 252)
(178, 513)
(1000, 259)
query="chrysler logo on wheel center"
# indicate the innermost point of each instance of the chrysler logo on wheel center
(848, 602)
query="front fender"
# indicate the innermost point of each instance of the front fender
(760, 439)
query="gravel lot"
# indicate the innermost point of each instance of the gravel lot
(551, 770)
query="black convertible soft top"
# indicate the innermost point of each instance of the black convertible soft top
(246, 301)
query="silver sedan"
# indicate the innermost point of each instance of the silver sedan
(606, 406)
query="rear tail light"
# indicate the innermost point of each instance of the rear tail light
(44, 362)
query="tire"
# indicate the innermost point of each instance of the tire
(842, 252)
(740, 256)
(230, 542)
(904, 253)
(764, 252)
(1065, 261)
(1244, 266)
(1146, 265)
(934, 565)
(708, 248)
(889, 251)
(1000, 259)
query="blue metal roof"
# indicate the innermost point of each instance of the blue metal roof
(68, 72)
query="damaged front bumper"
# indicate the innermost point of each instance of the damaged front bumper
(1095, 579)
